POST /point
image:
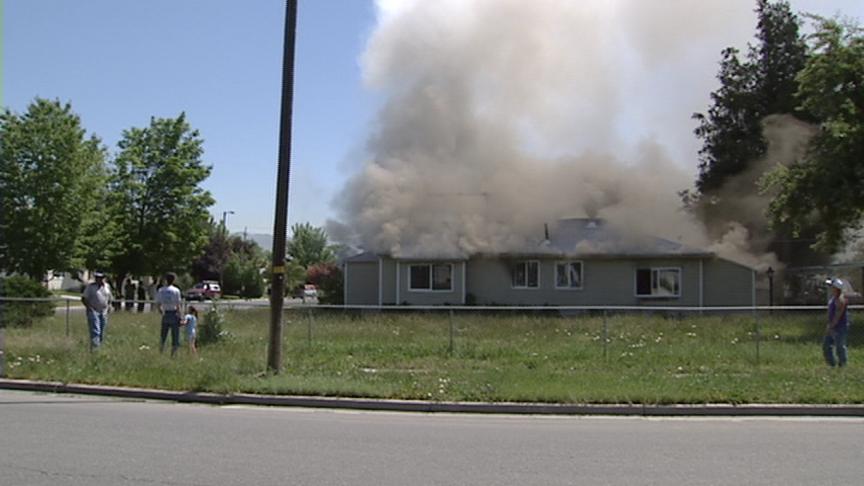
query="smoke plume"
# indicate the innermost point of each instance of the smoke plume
(503, 115)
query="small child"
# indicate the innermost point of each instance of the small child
(191, 323)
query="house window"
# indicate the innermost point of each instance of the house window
(568, 275)
(658, 282)
(431, 276)
(526, 275)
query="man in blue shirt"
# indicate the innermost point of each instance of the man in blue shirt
(837, 329)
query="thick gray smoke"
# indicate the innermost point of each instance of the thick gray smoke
(503, 115)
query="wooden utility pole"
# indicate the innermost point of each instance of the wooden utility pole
(280, 224)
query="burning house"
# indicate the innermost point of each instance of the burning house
(585, 262)
(499, 115)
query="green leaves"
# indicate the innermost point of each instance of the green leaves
(762, 84)
(309, 246)
(51, 179)
(157, 200)
(828, 185)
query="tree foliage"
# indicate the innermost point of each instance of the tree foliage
(214, 256)
(328, 278)
(51, 176)
(761, 84)
(156, 197)
(828, 185)
(309, 246)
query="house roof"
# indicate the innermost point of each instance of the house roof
(596, 238)
(365, 257)
(585, 238)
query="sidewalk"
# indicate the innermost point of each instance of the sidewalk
(696, 410)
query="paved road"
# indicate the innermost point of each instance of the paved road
(75, 305)
(50, 439)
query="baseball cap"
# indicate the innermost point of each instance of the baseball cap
(98, 275)
(835, 282)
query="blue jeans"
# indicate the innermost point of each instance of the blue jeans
(96, 322)
(835, 339)
(170, 321)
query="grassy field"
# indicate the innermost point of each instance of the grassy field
(500, 357)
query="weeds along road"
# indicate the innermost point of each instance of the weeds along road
(52, 439)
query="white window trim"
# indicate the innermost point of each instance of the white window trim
(431, 276)
(525, 287)
(658, 269)
(581, 274)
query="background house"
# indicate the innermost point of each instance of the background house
(585, 262)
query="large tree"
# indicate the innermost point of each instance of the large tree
(761, 84)
(52, 178)
(157, 198)
(828, 184)
(309, 246)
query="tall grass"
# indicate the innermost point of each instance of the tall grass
(627, 358)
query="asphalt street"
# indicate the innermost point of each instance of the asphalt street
(48, 439)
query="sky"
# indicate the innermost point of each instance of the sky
(121, 62)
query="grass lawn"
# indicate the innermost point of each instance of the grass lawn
(494, 357)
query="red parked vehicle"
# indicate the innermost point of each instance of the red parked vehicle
(206, 290)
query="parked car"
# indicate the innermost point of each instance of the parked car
(206, 290)
(306, 291)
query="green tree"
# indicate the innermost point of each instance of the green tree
(209, 264)
(827, 186)
(51, 178)
(242, 276)
(156, 197)
(764, 83)
(308, 245)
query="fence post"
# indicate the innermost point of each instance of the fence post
(605, 336)
(758, 335)
(450, 347)
(67, 317)
(2, 349)
(309, 328)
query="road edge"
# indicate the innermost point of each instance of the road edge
(696, 410)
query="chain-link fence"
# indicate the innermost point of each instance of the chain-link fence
(486, 350)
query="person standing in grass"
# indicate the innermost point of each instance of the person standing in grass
(837, 329)
(191, 323)
(168, 301)
(97, 300)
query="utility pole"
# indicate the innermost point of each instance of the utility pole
(280, 224)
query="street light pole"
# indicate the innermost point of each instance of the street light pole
(224, 240)
(224, 218)
(280, 224)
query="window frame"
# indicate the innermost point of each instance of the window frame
(655, 272)
(570, 263)
(431, 267)
(526, 263)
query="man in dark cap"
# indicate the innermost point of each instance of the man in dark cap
(97, 300)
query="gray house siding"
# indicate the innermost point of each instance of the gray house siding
(605, 282)
(727, 283)
(361, 283)
(388, 287)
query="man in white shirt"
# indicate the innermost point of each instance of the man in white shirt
(169, 303)
(97, 299)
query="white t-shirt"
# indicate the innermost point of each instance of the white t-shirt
(97, 297)
(168, 298)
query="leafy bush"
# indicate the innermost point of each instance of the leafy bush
(17, 313)
(242, 277)
(328, 278)
(211, 330)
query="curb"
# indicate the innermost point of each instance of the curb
(645, 410)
